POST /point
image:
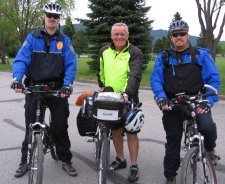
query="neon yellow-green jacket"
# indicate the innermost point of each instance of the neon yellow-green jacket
(122, 71)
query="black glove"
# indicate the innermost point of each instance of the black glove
(162, 102)
(17, 85)
(66, 90)
(204, 105)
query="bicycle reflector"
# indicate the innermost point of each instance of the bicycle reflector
(42, 87)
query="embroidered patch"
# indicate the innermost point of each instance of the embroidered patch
(59, 45)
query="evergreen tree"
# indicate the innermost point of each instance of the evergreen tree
(105, 13)
(158, 47)
(69, 29)
(177, 16)
(80, 42)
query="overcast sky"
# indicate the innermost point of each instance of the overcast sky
(162, 12)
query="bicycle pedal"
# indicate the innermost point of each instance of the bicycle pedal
(90, 139)
(111, 169)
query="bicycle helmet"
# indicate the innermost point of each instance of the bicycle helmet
(178, 25)
(52, 7)
(134, 120)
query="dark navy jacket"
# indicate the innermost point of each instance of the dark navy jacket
(209, 73)
(40, 64)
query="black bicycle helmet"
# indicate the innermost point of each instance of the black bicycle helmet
(53, 8)
(178, 25)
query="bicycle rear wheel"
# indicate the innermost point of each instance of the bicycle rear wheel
(104, 158)
(193, 169)
(36, 165)
(48, 141)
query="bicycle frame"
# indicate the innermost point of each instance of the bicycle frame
(38, 132)
(194, 141)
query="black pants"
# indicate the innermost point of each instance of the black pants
(173, 125)
(59, 109)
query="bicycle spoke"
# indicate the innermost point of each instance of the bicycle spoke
(195, 171)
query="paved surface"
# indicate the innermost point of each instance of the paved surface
(152, 140)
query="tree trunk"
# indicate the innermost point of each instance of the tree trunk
(210, 11)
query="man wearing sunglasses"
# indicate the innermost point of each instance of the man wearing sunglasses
(183, 68)
(47, 57)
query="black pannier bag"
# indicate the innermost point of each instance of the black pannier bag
(108, 107)
(86, 125)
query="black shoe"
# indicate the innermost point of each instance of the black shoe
(170, 180)
(23, 168)
(134, 173)
(68, 167)
(215, 158)
(118, 164)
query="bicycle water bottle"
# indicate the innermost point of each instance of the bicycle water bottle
(90, 106)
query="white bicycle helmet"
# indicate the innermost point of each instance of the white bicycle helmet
(134, 120)
(53, 8)
(178, 25)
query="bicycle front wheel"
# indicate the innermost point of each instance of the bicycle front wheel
(197, 170)
(104, 159)
(36, 165)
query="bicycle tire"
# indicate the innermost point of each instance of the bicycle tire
(104, 159)
(192, 169)
(36, 165)
(97, 153)
(48, 142)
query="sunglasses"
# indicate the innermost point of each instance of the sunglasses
(50, 15)
(179, 34)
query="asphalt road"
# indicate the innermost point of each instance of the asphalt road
(152, 140)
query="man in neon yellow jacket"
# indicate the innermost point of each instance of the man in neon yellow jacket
(120, 67)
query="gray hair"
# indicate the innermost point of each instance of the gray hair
(120, 24)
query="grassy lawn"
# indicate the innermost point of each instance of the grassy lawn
(84, 73)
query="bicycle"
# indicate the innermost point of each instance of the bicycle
(197, 164)
(97, 116)
(41, 136)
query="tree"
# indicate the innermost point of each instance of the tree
(177, 16)
(208, 15)
(105, 13)
(69, 29)
(80, 42)
(6, 36)
(26, 15)
(158, 46)
(201, 41)
(221, 48)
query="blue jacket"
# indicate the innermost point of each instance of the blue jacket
(209, 73)
(36, 44)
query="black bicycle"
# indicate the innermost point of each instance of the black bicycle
(41, 136)
(197, 166)
(99, 113)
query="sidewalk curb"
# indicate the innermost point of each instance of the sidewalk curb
(222, 97)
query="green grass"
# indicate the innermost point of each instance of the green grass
(83, 71)
(220, 62)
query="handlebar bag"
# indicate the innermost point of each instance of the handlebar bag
(108, 107)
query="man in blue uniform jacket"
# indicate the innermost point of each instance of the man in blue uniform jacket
(183, 68)
(47, 57)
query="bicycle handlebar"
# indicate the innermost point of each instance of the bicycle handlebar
(186, 99)
(41, 89)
